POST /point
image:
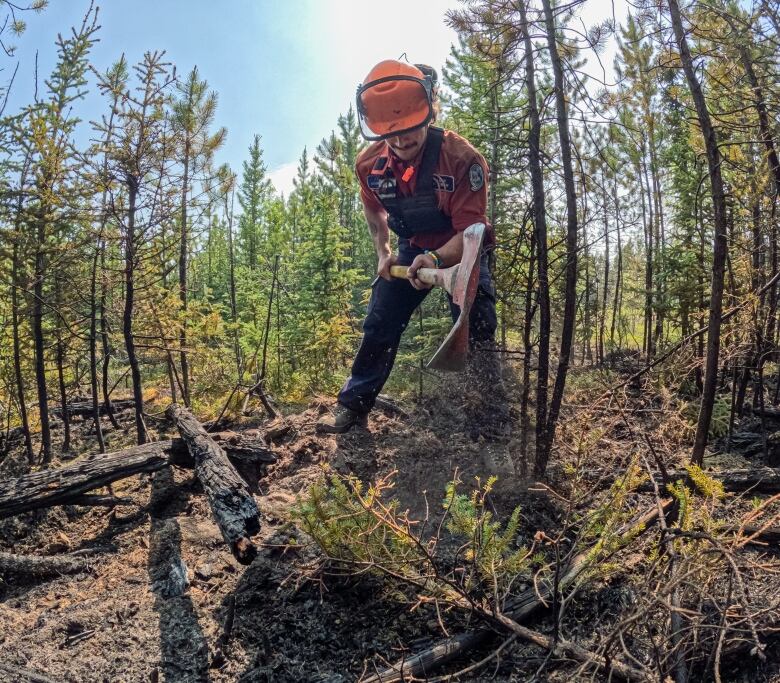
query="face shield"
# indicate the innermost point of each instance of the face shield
(393, 105)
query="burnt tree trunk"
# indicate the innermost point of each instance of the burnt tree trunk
(570, 297)
(232, 504)
(540, 231)
(37, 329)
(720, 246)
(129, 310)
(60, 356)
(67, 485)
(17, 347)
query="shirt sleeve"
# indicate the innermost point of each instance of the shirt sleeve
(468, 204)
(367, 196)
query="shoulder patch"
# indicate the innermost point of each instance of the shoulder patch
(382, 185)
(443, 183)
(476, 177)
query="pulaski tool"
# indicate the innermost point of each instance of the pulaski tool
(460, 281)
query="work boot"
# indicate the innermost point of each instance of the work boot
(342, 420)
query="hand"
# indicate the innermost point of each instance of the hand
(383, 267)
(420, 261)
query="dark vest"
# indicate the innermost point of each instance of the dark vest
(420, 213)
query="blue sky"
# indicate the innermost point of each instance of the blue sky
(285, 70)
(282, 69)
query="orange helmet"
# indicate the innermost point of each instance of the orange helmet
(395, 98)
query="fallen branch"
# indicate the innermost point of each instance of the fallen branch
(19, 673)
(518, 609)
(232, 504)
(390, 407)
(566, 648)
(37, 565)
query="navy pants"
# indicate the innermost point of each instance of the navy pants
(389, 311)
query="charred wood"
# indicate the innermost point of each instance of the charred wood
(19, 673)
(66, 485)
(756, 480)
(85, 408)
(231, 502)
(37, 566)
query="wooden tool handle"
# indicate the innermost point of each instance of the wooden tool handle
(427, 275)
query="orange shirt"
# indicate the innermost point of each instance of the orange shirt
(460, 178)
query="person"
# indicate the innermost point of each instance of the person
(427, 185)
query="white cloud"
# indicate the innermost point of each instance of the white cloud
(282, 177)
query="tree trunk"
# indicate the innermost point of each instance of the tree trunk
(540, 229)
(619, 268)
(37, 329)
(567, 332)
(647, 221)
(654, 189)
(17, 348)
(720, 246)
(127, 317)
(60, 356)
(232, 286)
(774, 169)
(605, 286)
(185, 369)
(93, 370)
(530, 309)
(104, 340)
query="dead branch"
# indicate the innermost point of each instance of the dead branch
(39, 566)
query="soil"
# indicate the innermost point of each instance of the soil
(164, 600)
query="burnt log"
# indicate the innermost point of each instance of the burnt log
(232, 504)
(389, 407)
(755, 480)
(19, 673)
(38, 565)
(771, 413)
(67, 485)
(84, 408)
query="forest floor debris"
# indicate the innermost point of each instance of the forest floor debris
(162, 598)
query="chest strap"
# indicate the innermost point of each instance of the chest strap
(419, 213)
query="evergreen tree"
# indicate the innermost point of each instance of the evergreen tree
(253, 193)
